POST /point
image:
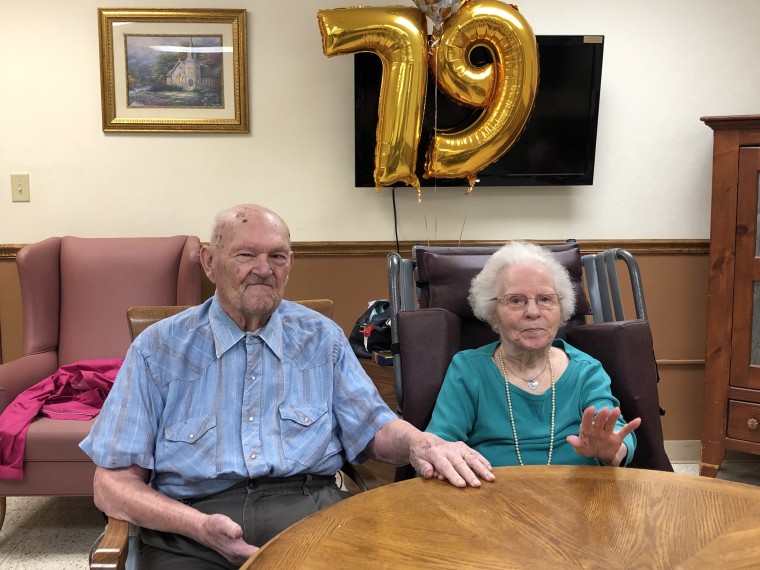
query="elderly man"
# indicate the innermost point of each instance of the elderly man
(227, 422)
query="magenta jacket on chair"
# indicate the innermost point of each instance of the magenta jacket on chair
(74, 392)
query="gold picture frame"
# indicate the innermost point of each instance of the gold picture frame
(179, 71)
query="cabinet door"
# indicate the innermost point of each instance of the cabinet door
(745, 338)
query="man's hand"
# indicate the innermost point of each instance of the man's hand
(123, 493)
(431, 456)
(597, 436)
(224, 535)
(399, 442)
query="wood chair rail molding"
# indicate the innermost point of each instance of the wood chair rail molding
(351, 248)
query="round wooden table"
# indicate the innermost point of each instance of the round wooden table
(532, 517)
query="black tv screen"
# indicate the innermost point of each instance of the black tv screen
(558, 144)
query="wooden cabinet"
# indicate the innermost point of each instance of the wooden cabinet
(732, 360)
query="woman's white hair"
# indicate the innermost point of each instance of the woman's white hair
(485, 285)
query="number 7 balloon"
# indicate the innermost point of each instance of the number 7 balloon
(397, 35)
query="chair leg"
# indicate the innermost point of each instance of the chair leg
(2, 511)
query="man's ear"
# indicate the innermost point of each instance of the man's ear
(207, 258)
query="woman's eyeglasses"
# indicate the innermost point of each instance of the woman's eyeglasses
(518, 302)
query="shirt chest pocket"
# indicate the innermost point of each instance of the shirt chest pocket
(191, 430)
(190, 448)
(306, 432)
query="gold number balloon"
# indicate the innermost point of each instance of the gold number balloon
(397, 35)
(505, 89)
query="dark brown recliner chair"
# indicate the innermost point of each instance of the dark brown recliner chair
(75, 292)
(427, 336)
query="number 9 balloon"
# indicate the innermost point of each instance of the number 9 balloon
(505, 89)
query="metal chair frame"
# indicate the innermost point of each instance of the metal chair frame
(600, 275)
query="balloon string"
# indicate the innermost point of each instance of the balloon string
(435, 212)
(467, 195)
(424, 214)
(433, 44)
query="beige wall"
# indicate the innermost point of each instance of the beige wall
(665, 65)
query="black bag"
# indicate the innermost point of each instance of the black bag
(372, 331)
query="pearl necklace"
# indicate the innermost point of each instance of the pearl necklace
(511, 414)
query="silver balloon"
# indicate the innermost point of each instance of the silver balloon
(439, 10)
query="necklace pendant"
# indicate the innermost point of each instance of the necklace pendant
(533, 384)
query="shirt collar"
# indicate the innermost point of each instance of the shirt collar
(227, 334)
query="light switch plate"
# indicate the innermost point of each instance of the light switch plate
(20, 188)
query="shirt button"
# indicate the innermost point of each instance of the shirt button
(252, 377)
(307, 421)
(191, 436)
(253, 456)
(250, 419)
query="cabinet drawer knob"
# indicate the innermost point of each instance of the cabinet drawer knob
(752, 423)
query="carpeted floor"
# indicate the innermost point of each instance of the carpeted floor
(740, 471)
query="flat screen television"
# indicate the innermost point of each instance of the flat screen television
(558, 144)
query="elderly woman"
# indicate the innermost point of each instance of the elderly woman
(530, 398)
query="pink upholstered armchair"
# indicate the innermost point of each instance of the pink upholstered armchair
(75, 294)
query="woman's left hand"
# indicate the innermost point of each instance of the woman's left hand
(598, 438)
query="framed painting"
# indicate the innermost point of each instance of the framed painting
(166, 70)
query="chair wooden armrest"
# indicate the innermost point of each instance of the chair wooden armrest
(140, 318)
(361, 476)
(113, 548)
(323, 306)
(111, 552)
